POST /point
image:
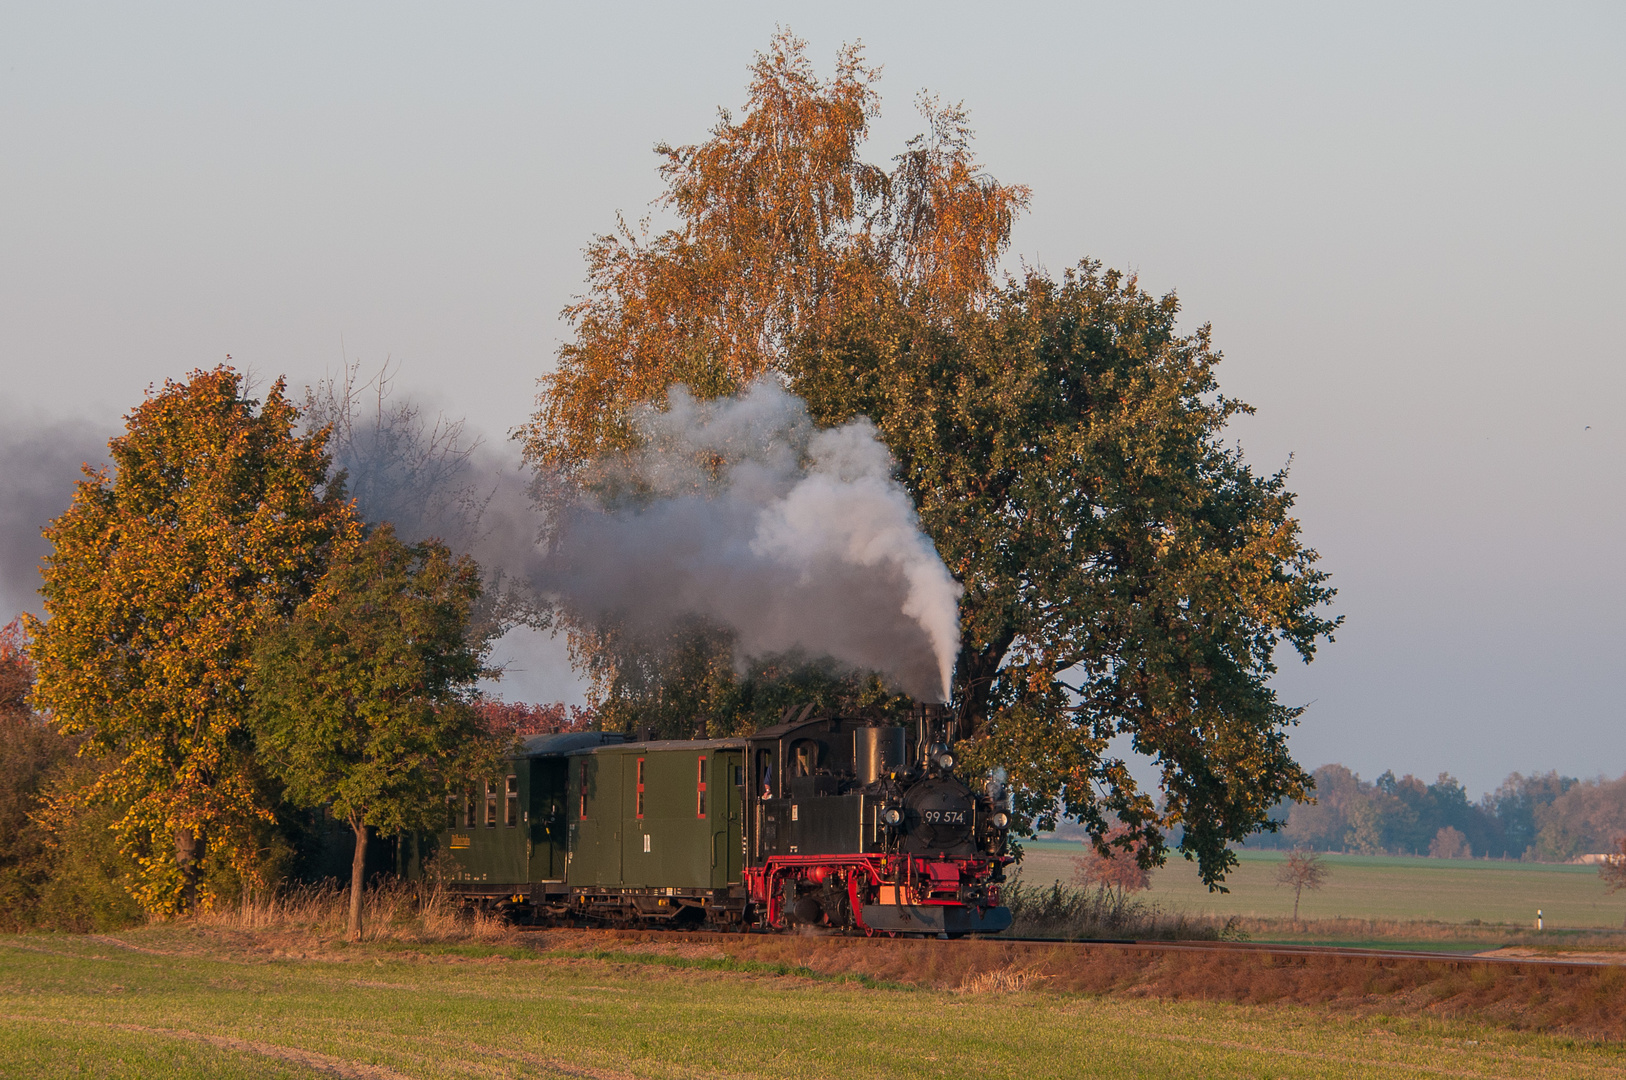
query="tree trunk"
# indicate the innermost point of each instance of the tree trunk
(188, 856)
(1297, 892)
(358, 874)
(974, 676)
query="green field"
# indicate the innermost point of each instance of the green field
(175, 1003)
(1374, 887)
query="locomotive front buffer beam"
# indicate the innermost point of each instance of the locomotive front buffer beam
(880, 895)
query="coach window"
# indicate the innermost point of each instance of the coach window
(491, 805)
(468, 808)
(510, 816)
(700, 788)
(583, 809)
(640, 806)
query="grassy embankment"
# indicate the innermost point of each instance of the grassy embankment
(218, 1004)
(1369, 900)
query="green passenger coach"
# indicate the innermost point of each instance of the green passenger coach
(508, 836)
(655, 827)
(584, 824)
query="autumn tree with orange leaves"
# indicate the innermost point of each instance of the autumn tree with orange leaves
(30, 754)
(215, 521)
(1116, 861)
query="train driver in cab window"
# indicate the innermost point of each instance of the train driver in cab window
(765, 771)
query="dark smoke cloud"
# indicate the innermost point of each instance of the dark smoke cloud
(428, 476)
(796, 538)
(39, 465)
(423, 475)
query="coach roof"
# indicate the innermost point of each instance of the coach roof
(567, 742)
(670, 744)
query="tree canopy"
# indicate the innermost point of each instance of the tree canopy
(362, 699)
(1126, 574)
(30, 752)
(1612, 870)
(214, 522)
(783, 230)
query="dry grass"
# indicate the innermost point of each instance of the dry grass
(1011, 979)
(1579, 1000)
(1074, 914)
(391, 911)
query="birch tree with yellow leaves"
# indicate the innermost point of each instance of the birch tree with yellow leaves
(784, 231)
(214, 521)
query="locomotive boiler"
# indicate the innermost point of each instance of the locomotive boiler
(827, 822)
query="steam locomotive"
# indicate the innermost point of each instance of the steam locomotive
(829, 822)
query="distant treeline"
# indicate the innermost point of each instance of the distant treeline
(1544, 817)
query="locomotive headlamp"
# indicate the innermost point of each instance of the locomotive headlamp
(1001, 820)
(945, 761)
(892, 816)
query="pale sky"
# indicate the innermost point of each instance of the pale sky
(1405, 223)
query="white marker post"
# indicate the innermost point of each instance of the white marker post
(1538, 918)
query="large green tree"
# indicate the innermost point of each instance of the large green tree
(214, 522)
(363, 697)
(1126, 573)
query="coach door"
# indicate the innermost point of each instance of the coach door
(546, 818)
(726, 789)
(638, 791)
(594, 807)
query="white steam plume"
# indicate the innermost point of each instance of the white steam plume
(795, 538)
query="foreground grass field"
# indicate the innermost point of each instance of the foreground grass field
(187, 1003)
(1375, 887)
